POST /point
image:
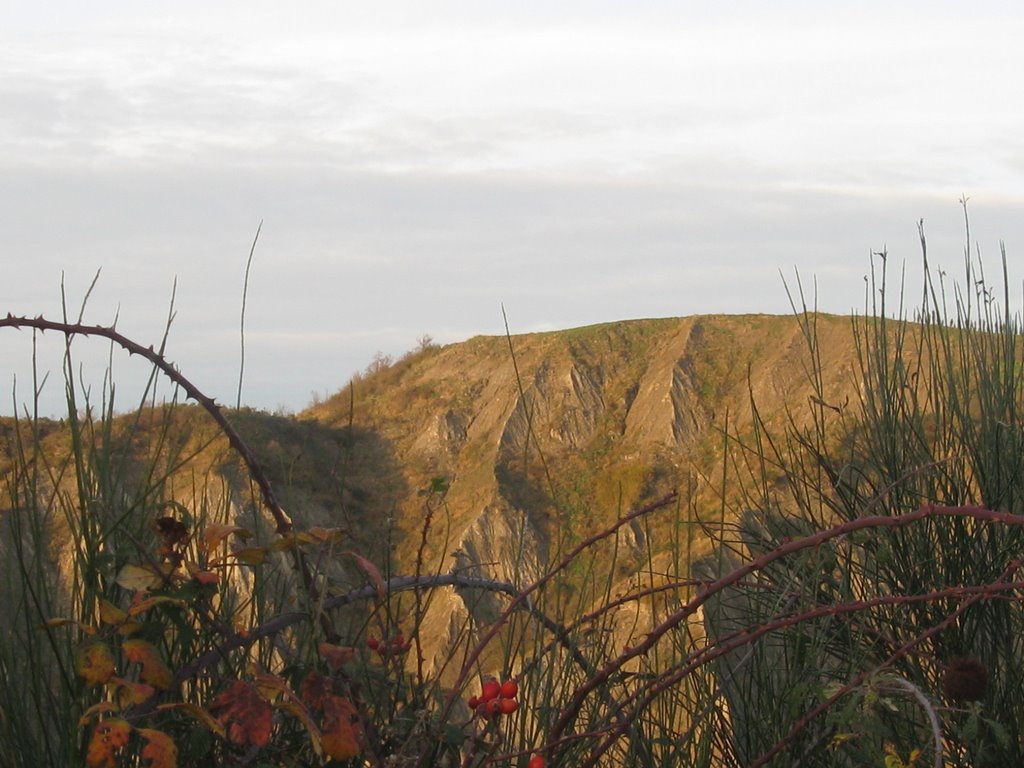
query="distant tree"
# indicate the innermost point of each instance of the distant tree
(380, 362)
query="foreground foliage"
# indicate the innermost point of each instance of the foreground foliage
(861, 605)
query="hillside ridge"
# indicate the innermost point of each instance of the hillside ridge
(539, 438)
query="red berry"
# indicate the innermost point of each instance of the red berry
(372, 643)
(494, 707)
(491, 689)
(481, 709)
(398, 642)
(537, 761)
(473, 702)
(509, 689)
(508, 706)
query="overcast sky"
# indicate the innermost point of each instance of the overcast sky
(417, 165)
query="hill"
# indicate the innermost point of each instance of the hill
(536, 439)
(845, 507)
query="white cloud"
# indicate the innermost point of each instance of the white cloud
(418, 164)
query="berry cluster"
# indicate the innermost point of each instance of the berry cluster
(397, 645)
(495, 699)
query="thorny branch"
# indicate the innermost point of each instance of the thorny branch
(282, 520)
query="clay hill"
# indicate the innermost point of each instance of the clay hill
(519, 445)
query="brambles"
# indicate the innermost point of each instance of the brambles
(860, 607)
(175, 594)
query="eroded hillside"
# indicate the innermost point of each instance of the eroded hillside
(540, 439)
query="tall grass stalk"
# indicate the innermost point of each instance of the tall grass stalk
(934, 420)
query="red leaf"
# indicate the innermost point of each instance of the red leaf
(314, 689)
(372, 572)
(203, 577)
(336, 655)
(127, 693)
(108, 738)
(159, 750)
(340, 729)
(246, 716)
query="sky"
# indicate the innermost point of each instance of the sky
(421, 167)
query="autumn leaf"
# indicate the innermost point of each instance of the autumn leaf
(108, 738)
(160, 749)
(269, 685)
(371, 571)
(110, 613)
(326, 535)
(63, 622)
(94, 663)
(276, 690)
(96, 709)
(314, 689)
(340, 731)
(336, 655)
(171, 530)
(135, 577)
(215, 533)
(247, 718)
(203, 577)
(141, 606)
(154, 671)
(297, 709)
(250, 555)
(127, 693)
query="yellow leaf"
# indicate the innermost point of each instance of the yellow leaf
(160, 749)
(61, 622)
(251, 555)
(215, 533)
(298, 710)
(145, 604)
(327, 535)
(129, 628)
(136, 577)
(286, 542)
(269, 685)
(94, 663)
(154, 671)
(96, 709)
(110, 613)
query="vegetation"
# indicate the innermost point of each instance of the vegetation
(859, 603)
